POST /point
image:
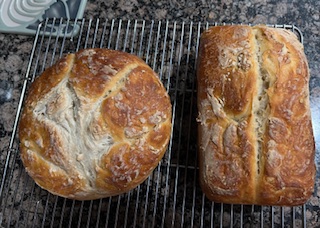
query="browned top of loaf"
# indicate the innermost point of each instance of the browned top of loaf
(95, 124)
(255, 135)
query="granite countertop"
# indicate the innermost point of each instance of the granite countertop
(15, 49)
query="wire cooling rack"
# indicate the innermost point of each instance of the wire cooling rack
(171, 196)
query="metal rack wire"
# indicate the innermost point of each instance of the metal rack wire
(171, 196)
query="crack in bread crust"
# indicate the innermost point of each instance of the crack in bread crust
(261, 108)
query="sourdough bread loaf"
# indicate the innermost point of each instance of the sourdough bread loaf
(256, 143)
(94, 125)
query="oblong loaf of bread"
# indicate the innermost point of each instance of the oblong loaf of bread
(94, 125)
(256, 143)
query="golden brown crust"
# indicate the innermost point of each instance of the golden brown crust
(94, 125)
(289, 170)
(256, 143)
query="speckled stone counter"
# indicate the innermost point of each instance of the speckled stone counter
(15, 49)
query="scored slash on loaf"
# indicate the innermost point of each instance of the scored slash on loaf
(256, 142)
(94, 125)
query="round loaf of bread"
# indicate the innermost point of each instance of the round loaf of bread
(94, 125)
